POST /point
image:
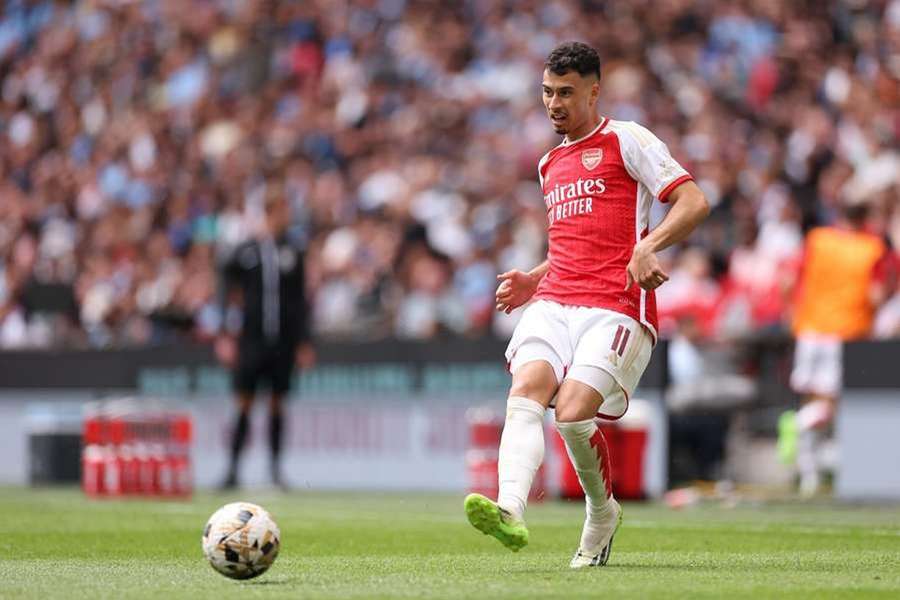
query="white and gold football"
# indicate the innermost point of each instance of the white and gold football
(241, 540)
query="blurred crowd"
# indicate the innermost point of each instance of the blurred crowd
(138, 137)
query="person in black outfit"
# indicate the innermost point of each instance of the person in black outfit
(268, 271)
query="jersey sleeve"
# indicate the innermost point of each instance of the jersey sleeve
(648, 160)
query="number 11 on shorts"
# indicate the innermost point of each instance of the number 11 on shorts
(621, 339)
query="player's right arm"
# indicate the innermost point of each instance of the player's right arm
(225, 345)
(517, 287)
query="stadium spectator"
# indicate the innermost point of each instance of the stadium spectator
(134, 132)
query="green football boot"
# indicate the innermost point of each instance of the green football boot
(787, 437)
(490, 519)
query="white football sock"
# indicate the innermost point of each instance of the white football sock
(810, 418)
(587, 450)
(808, 461)
(814, 414)
(521, 453)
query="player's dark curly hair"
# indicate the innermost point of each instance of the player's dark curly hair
(574, 56)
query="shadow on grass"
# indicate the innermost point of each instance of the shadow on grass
(255, 582)
(533, 571)
(646, 566)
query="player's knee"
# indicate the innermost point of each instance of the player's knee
(245, 402)
(530, 389)
(577, 402)
(535, 380)
(570, 412)
(275, 403)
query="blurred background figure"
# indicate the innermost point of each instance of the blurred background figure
(273, 333)
(841, 283)
(707, 389)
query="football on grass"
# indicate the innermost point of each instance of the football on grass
(241, 540)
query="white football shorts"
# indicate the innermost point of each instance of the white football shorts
(603, 349)
(818, 365)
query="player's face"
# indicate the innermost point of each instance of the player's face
(569, 100)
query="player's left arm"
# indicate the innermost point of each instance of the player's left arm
(304, 352)
(689, 208)
(884, 278)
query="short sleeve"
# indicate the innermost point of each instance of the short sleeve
(648, 160)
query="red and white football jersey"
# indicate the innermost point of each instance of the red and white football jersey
(598, 191)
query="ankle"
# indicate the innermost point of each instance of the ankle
(599, 510)
(512, 508)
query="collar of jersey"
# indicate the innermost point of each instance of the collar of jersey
(566, 144)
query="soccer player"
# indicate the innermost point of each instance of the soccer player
(840, 287)
(584, 343)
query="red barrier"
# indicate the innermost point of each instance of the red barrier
(135, 452)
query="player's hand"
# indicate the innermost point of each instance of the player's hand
(226, 350)
(305, 356)
(644, 269)
(515, 289)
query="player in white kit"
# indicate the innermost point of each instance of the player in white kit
(584, 342)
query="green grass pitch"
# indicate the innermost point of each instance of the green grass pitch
(57, 544)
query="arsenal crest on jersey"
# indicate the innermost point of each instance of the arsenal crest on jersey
(591, 158)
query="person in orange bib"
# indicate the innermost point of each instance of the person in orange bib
(836, 299)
